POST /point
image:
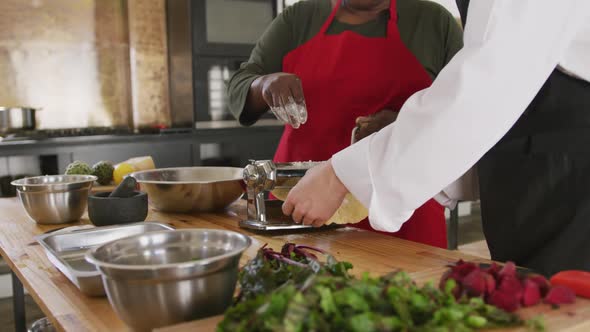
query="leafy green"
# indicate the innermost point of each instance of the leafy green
(302, 293)
(536, 324)
(295, 264)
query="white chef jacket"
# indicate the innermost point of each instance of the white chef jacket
(511, 47)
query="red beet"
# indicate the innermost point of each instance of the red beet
(450, 274)
(494, 270)
(464, 268)
(531, 294)
(560, 295)
(475, 283)
(457, 276)
(503, 287)
(509, 270)
(490, 284)
(541, 281)
(512, 286)
(504, 300)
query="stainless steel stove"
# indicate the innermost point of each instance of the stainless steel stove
(42, 134)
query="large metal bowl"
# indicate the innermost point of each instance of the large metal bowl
(191, 189)
(54, 199)
(163, 278)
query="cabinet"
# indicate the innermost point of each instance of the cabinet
(229, 27)
(223, 35)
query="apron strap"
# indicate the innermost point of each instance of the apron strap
(330, 18)
(392, 29)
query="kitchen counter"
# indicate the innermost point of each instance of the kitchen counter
(230, 143)
(214, 132)
(70, 310)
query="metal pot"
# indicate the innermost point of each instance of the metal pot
(17, 118)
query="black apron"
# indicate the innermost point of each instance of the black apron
(535, 182)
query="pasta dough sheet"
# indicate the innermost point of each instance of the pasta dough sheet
(350, 212)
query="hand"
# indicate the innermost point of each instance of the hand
(284, 95)
(316, 197)
(368, 125)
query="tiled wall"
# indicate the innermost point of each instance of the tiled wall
(149, 62)
(72, 58)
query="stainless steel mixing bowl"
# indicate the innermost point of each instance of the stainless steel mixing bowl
(54, 199)
(162, 278)
(191, 189)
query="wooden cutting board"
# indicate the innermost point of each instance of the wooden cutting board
(202, 325)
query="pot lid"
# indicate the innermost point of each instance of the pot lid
(7, 108)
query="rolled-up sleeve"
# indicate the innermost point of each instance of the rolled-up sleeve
(266, 58)
(511, 48)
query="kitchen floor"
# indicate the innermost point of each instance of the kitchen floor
(470, 230)
(7, 318)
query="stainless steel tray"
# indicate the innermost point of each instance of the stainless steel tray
(66, 251)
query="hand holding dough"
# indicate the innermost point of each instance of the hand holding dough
(350, 212)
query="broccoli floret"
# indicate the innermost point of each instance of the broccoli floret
(103, 170)
(79, 168)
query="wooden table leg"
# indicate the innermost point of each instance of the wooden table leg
(18, 302)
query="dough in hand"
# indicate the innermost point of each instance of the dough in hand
(283, 187)
(350, 212)
(280, 193)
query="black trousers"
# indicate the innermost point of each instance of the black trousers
(535, 183)
(535, 201)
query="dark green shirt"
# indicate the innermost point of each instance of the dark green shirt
(429, 31)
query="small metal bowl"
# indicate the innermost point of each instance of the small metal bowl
(54, 199)
(42, 325)
(191, 189)
(163, 278)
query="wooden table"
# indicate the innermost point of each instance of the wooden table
(70, 310)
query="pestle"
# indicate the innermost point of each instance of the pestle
(126, 188)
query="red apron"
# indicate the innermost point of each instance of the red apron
(348, 75)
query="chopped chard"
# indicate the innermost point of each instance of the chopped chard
(293, 290)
